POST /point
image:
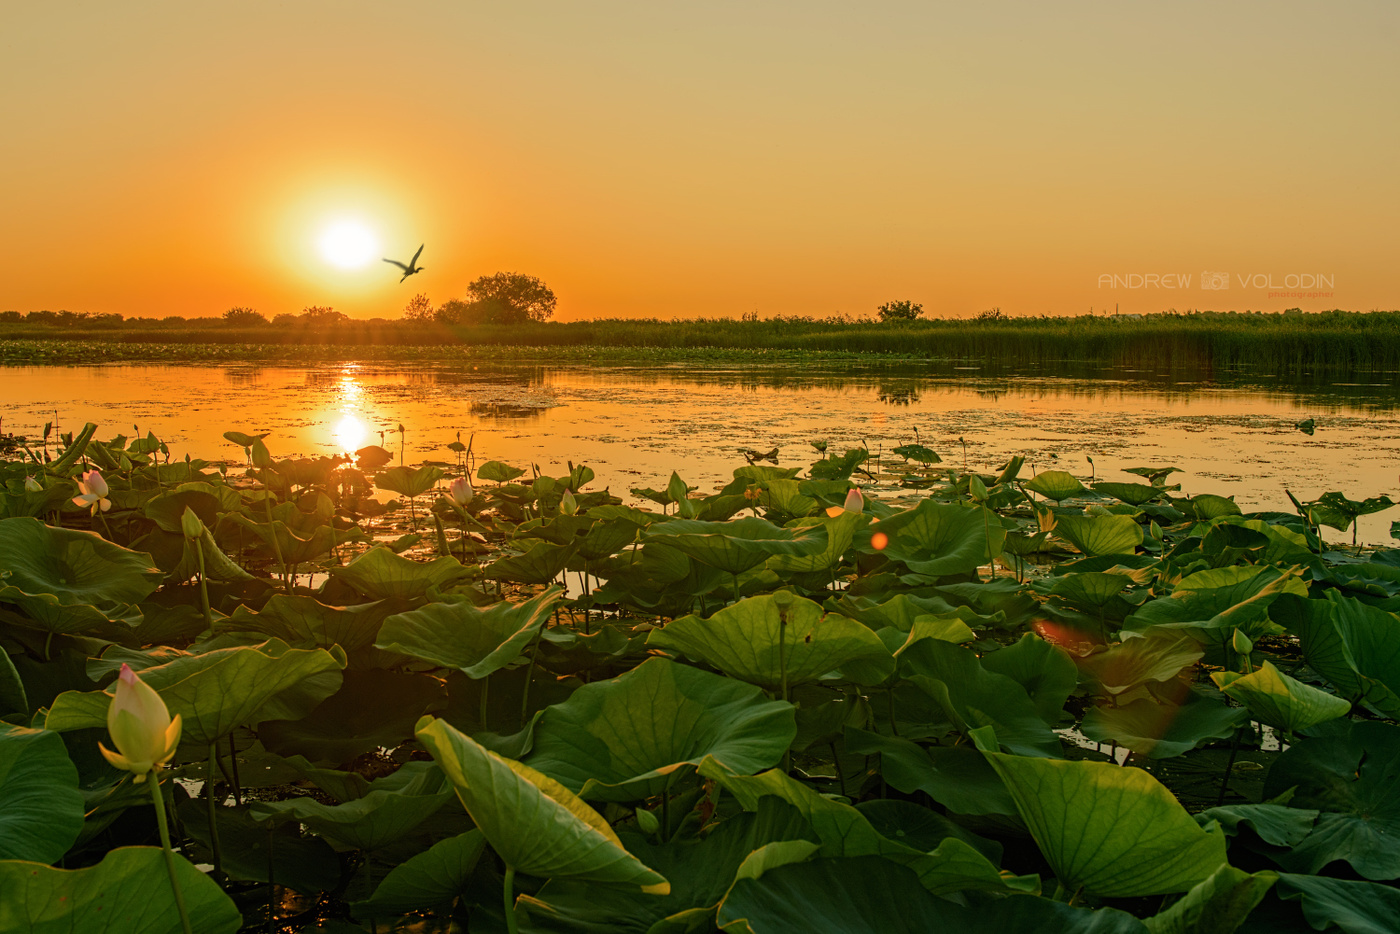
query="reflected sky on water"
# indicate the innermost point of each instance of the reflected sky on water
(634, 425)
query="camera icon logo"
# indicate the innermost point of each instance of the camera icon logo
(1215, 280)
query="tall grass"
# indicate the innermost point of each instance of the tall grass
(1335, 342)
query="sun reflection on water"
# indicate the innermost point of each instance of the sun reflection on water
(350, 434)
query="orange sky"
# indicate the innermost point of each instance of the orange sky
(669, 159)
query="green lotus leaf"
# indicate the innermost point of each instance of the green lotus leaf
(1128, 664)
(939, 539)
(14, 700)
(607, 537)
(840, 533)
(777, 638)
(1153, 475)
(701, 869)
(1134, 494)
(1054, 484)
(917, 452)
(1043, 669)
(622, 740)
(128, 891)
(69, 581)
(372, 709)
(475, 640)
(957, 777)
(1210, 605)
(1351, 644)
(1114, 831)
(1353, 907)
(409, 481)
(217, 691)
(1208, 506)
(206, 499)
(1272, 823)
(1280, 701)
(1100, 535)
(300, 861)
(244, 440)
(304, 621)
(1349, 771)
(1090, 590)
(428, 880)
(387, 813)
(738, 545)
(41, 808)
(539, 565)
(497, 471)
(901, 610)
(1162, 730)
(1217, 905)
(971, 696)
(786, 496)
(536, 825)
(871, 895)
(379, 574)
(844, 831)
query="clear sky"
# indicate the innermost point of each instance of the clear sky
(685, 159)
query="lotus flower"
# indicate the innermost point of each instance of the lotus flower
(94, 492)
(567, 504)
(855, 502)
(460, 490)
(32, 485)
(142, 729)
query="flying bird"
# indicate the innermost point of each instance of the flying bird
(412, 266)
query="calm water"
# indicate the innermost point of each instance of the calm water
(634, 425)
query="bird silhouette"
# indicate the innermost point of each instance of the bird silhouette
(412, 266)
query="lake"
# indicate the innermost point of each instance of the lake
(635, 424)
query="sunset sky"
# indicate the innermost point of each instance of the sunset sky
(668, 159)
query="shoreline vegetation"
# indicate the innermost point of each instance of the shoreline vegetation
(1210, 343)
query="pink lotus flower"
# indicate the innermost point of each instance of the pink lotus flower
(94, 492)
(142, 729)
(855, 502)
(460, 491)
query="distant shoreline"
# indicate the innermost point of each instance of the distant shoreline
(1264, 344)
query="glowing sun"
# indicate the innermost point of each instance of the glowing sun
(348, 244)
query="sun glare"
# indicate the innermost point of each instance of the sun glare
(350, 434)
(348, 244)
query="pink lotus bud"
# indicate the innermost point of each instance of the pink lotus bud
(141, 727)
(92, 482)
(855, 500)
(460, 491)
(94, 492)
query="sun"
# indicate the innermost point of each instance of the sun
(349, 244)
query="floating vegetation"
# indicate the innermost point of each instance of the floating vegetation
(866, 694)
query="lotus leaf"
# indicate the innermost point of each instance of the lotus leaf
(1134, 494)
(1162, 730)
(1129, 664)
(540, 565)
(864, 894)
(1043, 669)
(778, 639)
(971, 696)
(622, 740)
(372, 709)
(70, 581)
(1280, 701)
(388, 812)
(1352, 645)
(300, 861)
(13, 698)
(939, 539)
(1210, 605)
(1217, 905)
(379, 574)
(1054, 484)
(1112, 830)
(738, 545)
(497, 471)
(1349, 771)
(304, 621)
(128, 891)
(430, 879)
(843, 831)
(1272, 823)
(41, 809)
(840, 533)
(1354, 907)
(474, 640)
(409, 481)
(1100, 535)
(786, 496)
(217, 691)
(536, 825)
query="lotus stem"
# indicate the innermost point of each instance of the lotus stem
(508, 896)
(1229, 764)
(485, 683)
(271, 886)
(204, 590)
(233, 763)
(211, 807)
(529, 676)
(159, 800)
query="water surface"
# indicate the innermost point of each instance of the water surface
(634, 424)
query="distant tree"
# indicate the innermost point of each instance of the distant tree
(242, 316)
(899, 311)
(991, 314)
(418, 310)
(511, 298)
(318, 315)
(11, 316)
(171, 320)
(284, 320)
